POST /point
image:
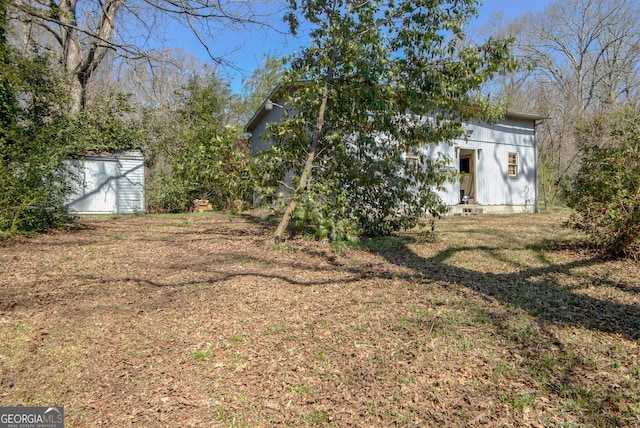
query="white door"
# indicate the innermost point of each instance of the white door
(99, 195)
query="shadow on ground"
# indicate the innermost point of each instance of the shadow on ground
(537, 290)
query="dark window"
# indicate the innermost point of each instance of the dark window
(465, 165)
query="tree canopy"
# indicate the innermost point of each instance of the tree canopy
(204, 152)
(38, 137)
(32, 177)
(83, 34)
(380, 79)
(584, 59)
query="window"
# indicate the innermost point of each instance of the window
(512, 165)
(412, 159)
(465, 165)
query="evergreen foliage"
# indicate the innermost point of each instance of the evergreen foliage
(208, 157)
(37, 136)
(381, 80)
(606, 191)
(33, 179)
(260, 84)
(107, 125)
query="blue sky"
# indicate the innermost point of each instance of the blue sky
(245, 49)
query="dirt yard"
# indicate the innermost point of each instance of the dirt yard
(200, 320)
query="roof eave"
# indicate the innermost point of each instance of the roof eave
(511, 114)
(261, 112)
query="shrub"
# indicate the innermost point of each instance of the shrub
(33, 178)
(606, 191)
(204, 157)
(166, 194)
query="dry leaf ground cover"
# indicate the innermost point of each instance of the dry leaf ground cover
(200, 320)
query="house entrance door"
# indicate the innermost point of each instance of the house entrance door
(468, 181)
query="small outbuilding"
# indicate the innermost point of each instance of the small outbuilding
(110, 183)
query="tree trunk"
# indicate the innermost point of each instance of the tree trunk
(76, 94)
(306, 172)
(78, 64)
(71, 51)
(313, 148)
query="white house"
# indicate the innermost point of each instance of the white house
(498, 161)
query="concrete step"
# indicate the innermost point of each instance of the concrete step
(467, 209)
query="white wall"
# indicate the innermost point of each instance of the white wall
(258, 142)
(111, 184)
(492, 144)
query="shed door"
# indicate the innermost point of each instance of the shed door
(100, 192)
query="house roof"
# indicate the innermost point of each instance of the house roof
(511, 114)
(257, 117)
(277, 92)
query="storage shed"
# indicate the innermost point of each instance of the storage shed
(111, 184)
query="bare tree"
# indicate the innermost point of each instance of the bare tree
(585, 58)
(82, 33)
(589, 50)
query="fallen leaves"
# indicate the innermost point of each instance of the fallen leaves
(198, 320)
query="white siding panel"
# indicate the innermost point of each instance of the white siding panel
(112, 184)
(131, 186)
(492, 144)
(130, 182)
(99, 190)
(497, 188)
(259, 141)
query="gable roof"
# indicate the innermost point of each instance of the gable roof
(278, 91)
(257, 117)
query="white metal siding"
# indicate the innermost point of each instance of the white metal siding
(258, 137)
(97, 192)
(130, 185)
(492, 144)
(496, 142)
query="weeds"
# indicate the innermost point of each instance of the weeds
(201, 354)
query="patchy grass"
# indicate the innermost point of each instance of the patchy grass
(200, 320)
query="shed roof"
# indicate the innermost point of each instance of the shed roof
(131, 154)
(532, 117)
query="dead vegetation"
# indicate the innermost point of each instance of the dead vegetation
(200, 320)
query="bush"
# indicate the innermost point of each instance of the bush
(34, 181)
(313, 217)
(166, 194)
(606, 191)
(205, 158)
(37, 138)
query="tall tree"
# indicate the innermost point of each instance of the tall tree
(586, 59)
(589, 50)
(83, 32)
(380, 79)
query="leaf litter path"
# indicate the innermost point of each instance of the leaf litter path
(200, 320)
